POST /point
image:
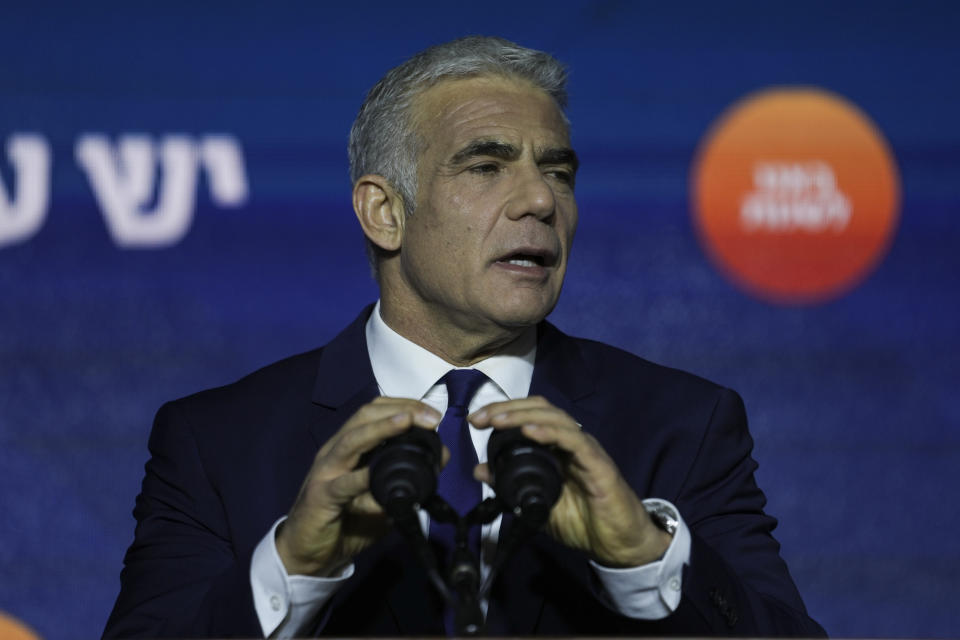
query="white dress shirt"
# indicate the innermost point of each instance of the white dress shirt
(285, 603)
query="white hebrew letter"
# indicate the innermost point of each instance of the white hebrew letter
(21, 216)
(223, 159)
(124, 181)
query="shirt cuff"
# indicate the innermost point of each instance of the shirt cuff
(651, 591)
(285, 603)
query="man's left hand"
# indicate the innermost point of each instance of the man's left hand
(597, 511)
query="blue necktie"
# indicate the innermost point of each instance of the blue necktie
(455, 483)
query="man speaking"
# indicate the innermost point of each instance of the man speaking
(255, 515)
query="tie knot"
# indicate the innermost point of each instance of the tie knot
(462, 384)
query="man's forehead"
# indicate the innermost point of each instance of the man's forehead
(493, 108)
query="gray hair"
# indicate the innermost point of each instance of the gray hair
(383, 139)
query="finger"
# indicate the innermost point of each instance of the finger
(346, 447)
(569, 438)
(586, 453)
(444, 456)
(536, 415)
(383, 407)
(483, 415)
(481, 473)
(343, 450)
(349, 486)
(365, 504)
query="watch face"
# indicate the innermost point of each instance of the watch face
(664, 518)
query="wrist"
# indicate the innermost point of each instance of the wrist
(664, 517)
(300, 564)
(655, 531)
(651, 549)
(665, 520)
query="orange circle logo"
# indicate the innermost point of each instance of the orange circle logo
(795, 195)
(13, 629)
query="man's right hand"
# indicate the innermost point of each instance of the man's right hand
(335, 516)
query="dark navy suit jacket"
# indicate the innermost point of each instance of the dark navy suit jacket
(227, 462)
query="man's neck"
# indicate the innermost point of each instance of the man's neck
(461, 347)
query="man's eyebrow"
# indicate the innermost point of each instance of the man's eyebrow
(493, 148)
(559, 155)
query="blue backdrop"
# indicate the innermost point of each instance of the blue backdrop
(852, 402)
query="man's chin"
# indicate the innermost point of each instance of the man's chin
(522, 316)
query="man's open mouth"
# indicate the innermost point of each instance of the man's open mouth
(530, 257)
(524, 260)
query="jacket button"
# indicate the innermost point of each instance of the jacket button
(732, 617)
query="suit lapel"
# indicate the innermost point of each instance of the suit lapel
(344, 380)
(560, 374)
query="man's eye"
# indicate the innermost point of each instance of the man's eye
(566, 177)
(484, 169)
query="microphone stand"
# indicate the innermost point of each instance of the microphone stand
(462, 590)
(403, 513)
(527, 521)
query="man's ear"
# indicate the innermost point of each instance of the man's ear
(379, 209)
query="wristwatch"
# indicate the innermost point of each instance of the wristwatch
(663, 516)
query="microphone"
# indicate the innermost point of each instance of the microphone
(404, 468)
(526, 474)
(527, 478)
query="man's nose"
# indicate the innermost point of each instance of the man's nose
(533, 196)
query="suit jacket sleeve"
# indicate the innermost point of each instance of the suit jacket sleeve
(182, 575)
(736, 584)
(736, 581)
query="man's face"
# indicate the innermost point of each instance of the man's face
(487, 245)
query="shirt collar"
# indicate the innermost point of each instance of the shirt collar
(404, 369)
